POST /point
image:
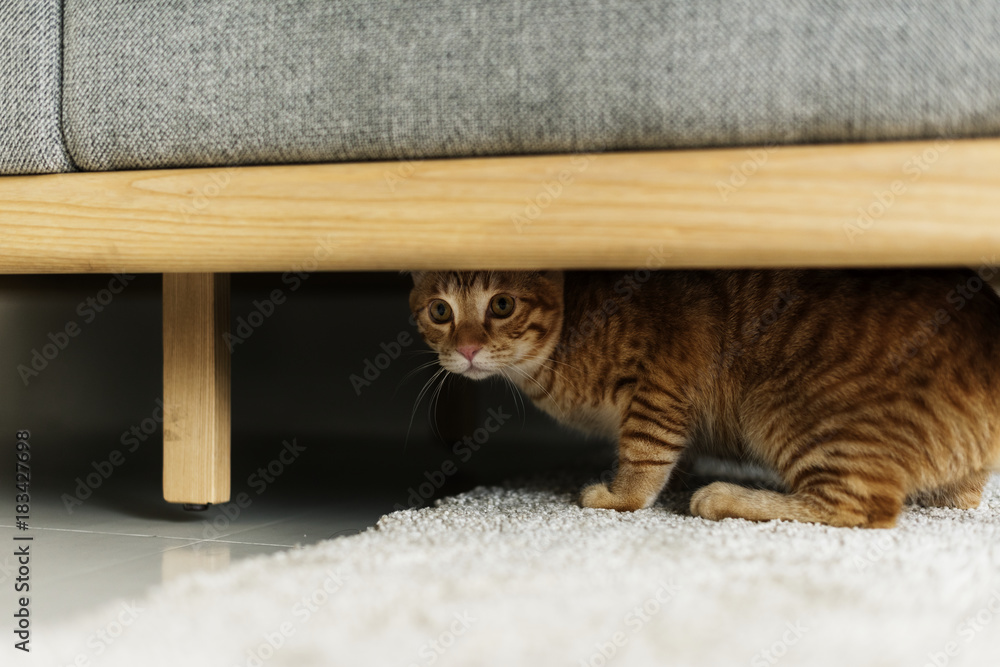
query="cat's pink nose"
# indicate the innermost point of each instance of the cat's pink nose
(469, 351)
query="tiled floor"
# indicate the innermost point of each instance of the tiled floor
(103, 551)
(124, 538)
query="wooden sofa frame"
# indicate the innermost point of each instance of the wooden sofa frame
(885, 204)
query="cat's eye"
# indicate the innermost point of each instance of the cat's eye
(439, 311)
(502, 305)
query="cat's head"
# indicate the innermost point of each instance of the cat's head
(485, 323)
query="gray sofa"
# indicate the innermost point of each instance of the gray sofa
(138, 84)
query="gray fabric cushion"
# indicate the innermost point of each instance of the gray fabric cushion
(30, 64)
(187, 82)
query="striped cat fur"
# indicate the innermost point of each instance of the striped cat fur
(862, 390)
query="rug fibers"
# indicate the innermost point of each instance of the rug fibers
(521, 575)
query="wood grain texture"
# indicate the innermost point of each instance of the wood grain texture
(916, 203)
(196, 377)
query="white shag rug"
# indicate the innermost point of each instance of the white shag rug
(523, 576)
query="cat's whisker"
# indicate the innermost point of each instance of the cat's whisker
(555, 361)
(518, 400)
(544, 390)
(433, 405)
(416, 406)
(416, 370)
(413, 372)
(429, 385)
(552, 370)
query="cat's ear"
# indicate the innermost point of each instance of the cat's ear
(417, 276)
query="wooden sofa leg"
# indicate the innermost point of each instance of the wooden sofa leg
(196, 389)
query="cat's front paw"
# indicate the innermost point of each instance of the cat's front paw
(599, 496)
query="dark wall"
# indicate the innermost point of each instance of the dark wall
(291, 375)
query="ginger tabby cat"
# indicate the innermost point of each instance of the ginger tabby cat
(863, 390)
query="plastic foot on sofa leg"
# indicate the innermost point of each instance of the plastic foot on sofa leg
(196, 507)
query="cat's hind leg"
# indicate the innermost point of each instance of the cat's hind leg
(838, 491)
(722, 500)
